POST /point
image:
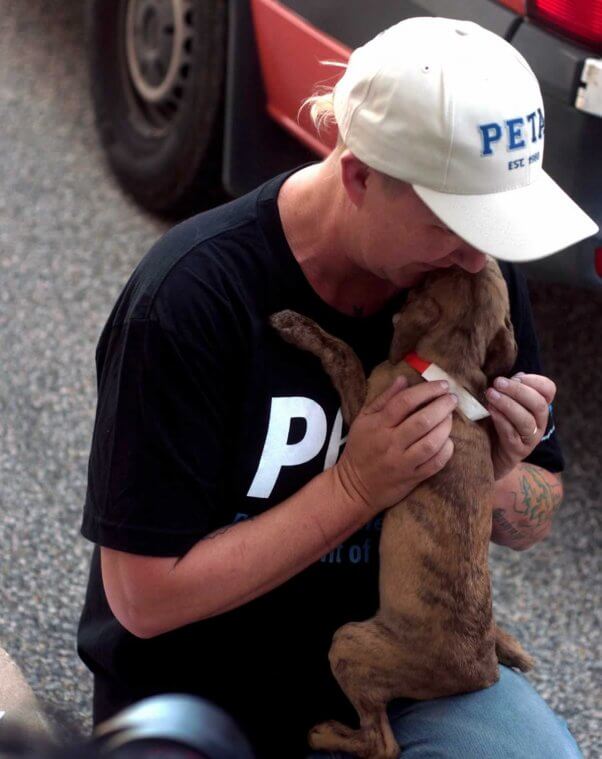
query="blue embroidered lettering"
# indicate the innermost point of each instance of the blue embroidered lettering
(541, 123)
(490, 133)
(531, 118)
(516, 164)
(516, 138)
(515, 133)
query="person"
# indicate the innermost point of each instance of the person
(235, 518)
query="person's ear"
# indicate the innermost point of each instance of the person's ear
(354, 174)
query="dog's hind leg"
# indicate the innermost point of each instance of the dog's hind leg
(373, 740)
(339, 360)
(364, 661)
(510, 652)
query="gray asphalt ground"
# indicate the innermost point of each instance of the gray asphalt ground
(69, 239)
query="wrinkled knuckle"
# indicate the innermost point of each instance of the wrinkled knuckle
(424, 423)
(438, 462)
(390, 458)
(515, 438)
(429, 447)
(389, 415)
(403, 407)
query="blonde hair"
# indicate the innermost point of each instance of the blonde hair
(321, 108)
(321, 113)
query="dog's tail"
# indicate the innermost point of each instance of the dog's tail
(510, 652)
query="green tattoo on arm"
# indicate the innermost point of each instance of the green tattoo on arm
(539, 498)
(525, 505)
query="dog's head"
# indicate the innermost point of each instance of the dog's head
(459, 320)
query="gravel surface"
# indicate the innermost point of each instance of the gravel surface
(69, 239)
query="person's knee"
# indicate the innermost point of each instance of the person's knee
(507, 721)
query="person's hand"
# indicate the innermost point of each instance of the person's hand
(520, 416)
(397, 440)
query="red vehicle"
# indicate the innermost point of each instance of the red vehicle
(200, 100)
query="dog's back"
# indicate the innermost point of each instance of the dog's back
(435, 589)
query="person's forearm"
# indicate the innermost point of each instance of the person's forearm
(241, 561)
(524, 503)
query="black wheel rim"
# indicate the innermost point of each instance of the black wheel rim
(157, 55)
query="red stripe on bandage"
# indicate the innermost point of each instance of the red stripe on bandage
(414, 360)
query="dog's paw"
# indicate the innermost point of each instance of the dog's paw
(328, 735)
(285, 319)
(291, 326)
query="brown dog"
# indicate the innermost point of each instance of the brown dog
(434, 633)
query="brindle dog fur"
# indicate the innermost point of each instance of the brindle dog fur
(434, 633)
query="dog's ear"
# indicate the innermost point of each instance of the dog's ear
(501, 353)
(416, 318)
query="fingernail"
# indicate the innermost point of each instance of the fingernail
(501, 382)
(454, 397)
(519, 374)
(445, 385)
(493, 394)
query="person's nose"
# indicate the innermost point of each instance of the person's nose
(469, 258)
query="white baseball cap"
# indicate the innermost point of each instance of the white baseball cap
(456, 111)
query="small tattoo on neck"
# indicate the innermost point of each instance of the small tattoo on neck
(358, 311)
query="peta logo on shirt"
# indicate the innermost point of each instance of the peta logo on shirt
(278, 452)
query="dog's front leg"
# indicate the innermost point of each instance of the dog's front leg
(339, 360)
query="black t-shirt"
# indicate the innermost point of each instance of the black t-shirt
(206, 417)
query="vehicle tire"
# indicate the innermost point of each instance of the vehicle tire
(157, 70)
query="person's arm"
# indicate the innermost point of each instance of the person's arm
(234, 564)
(395, 443)
(526, 493)
(524, 503)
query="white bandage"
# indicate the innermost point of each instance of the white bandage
(467, 403)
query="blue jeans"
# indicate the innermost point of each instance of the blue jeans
(507, 721)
